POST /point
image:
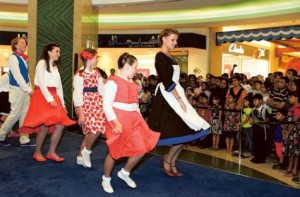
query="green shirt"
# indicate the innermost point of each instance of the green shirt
(246, 111)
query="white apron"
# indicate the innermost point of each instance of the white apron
(190, 117)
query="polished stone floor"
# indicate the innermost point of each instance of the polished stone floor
(231, 163)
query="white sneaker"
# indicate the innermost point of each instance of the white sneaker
(122, 174)
(106, 185)
(79, 161)
(86, 160)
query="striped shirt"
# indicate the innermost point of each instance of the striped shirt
(278, 96)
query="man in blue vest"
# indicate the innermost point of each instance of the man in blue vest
(20, 91)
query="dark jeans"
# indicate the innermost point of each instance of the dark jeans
(248, 133)
(259, 143)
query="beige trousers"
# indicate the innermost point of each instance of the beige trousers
(19, 104)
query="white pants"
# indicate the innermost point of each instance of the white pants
(19, 104)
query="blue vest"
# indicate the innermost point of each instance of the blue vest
(23, 71)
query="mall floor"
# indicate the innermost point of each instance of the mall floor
(232, 163)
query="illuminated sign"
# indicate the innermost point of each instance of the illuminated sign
(233, 48)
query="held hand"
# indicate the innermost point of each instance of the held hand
(81, 120)
(118, 127)
(53, 104)
(251, 121)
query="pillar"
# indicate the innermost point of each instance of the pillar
(69, 23)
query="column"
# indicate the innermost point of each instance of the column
(69, 23)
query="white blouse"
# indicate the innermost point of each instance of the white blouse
(110, 90)
(78, 88)
(45, 79)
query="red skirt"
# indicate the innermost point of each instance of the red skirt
(40, 113)
(135, 139)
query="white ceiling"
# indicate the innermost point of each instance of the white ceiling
(124, 7)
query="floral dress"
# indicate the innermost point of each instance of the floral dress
(292, 142)
(92, 102)
(232, 118)
(215, 119)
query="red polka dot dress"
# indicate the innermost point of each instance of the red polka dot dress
(136, 137)
(92, 101)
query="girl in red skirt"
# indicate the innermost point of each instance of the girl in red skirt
(88, 102)
(127, 133)
(47, 112)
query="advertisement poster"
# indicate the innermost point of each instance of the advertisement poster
(227, 68)
(288, 62)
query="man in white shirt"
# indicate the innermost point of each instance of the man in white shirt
(20, 91)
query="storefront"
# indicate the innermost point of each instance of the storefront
(260, 51)
(5, 45)
(190, 54)
(250, 60)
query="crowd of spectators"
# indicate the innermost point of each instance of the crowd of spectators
(264, 110)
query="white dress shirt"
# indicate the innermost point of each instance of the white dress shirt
(78, 88)
(13, 65)
(45, 79)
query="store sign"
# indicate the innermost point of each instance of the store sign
(22, 35)
(89, 44)
(148, 40)
(261, 52)
(7, 36)
(233, 48)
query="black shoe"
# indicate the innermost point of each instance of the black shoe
(4, 143)
(275, 166)
(279, 166)
(30, 143)
(296, 179)
(257, 160)
(276, 160)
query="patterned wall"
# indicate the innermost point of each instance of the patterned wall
(55, 24)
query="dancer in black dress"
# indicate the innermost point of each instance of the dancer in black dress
(171, 113)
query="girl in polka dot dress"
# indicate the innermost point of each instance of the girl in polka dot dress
(88, 102)
(127, 133)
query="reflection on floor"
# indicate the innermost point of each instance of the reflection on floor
(225, 161)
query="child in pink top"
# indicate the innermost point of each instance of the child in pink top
(127, 133)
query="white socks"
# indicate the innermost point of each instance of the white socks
(106, 184)
(124, 175)
(86, 160)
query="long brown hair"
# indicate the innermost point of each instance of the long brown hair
(45, 56)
